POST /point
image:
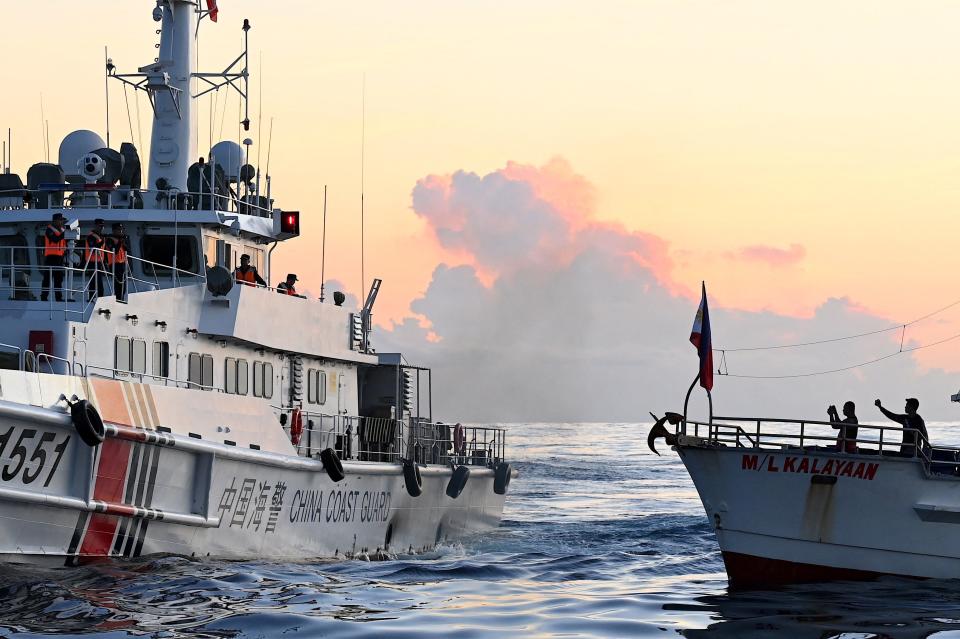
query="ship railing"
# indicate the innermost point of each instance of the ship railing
(143, 377)
(438, 443)
(792, 434)
(51, 196)
(380, 439)
(82, 277)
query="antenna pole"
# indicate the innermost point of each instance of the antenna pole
(43, 130)
(363, 146)
(259, 122)
(323, 245)
(9, 148)
(106, 90)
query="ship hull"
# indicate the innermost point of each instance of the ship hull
(807, 515)
(146, 491)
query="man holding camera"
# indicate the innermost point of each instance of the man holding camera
(847, 437)
(54, 253)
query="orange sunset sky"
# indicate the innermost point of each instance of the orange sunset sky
(785, 152)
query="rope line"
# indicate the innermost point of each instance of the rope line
(898, 327)
(845, 368)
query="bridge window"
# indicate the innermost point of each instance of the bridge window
(160, 250)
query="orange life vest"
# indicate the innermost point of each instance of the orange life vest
(120, 254)
(289, 290)
(244, 278)
(58, 248)
(92, 254)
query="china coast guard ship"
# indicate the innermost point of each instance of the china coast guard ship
(153, 401)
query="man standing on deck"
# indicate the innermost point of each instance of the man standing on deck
(54, 251)
(119, 245)
(246, 274)
(847, 437)
(911, 421)
(93, 260)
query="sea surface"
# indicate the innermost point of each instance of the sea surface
(600, 539)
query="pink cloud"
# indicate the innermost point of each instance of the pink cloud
(524, 216)
(772, 255)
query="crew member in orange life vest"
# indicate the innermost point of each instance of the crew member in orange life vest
(93, 259)
(54, 252)
(288, 288)
(119, 243)
(246, 274)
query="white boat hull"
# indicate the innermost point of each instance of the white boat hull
(145, 491)
(811, 515)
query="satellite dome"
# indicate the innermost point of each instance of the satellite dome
(230, 156)
(75, 146)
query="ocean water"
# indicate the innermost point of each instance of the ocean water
(600, 539)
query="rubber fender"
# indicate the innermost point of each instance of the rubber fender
(501, 478)
(331, 464)
(412, 479)
(88, 423)
(457, 481)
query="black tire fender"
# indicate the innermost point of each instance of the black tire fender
(458, 481)
(501, 478)
(412, 478)
(87, 422)
(331, 464)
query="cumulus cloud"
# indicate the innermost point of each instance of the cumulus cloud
(583, 322)
(772, 255)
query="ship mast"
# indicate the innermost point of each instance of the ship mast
(170, 80)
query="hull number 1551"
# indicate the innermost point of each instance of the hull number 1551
(29, 467)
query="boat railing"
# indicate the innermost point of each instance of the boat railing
(83, 276)
(106, 196)
(380, 439)
(806, 434)
(159, 380)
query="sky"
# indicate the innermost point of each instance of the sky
(545, 185)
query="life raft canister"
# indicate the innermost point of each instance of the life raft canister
(296, 427)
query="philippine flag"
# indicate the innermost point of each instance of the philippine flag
(213, 10)
(700, 337)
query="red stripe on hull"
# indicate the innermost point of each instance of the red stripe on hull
(111, 476)
(748, 571)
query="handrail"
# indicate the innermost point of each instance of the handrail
(180, 200)
(724, 430)
(386, 439)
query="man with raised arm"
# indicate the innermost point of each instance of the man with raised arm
(911, 421)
